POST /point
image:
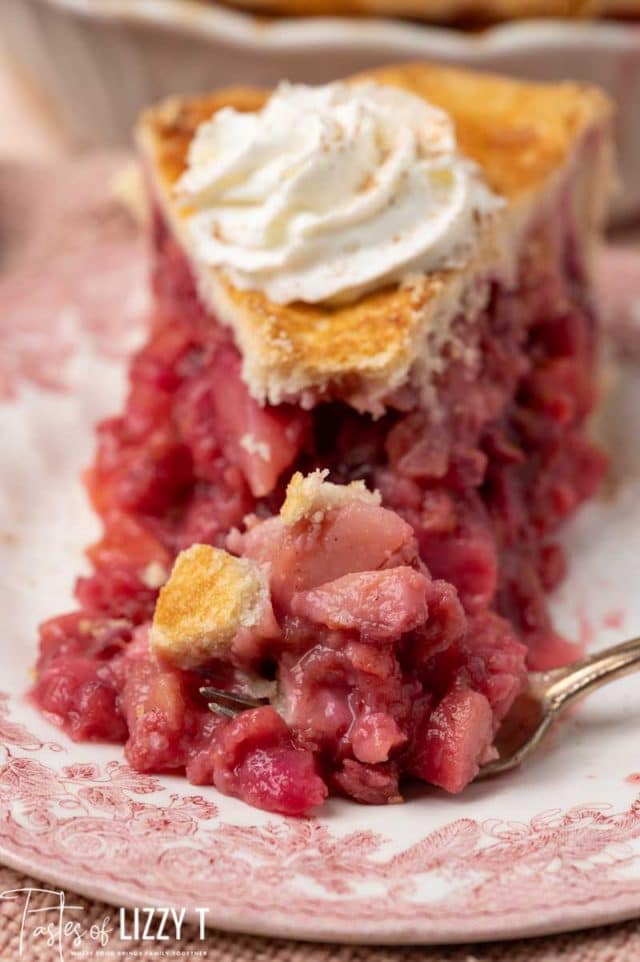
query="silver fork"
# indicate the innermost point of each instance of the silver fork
(547, 695)
(228, 703)
(550, 693)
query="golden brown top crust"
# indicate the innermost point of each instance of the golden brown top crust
(619, 8)
(520, 134)
(310, 497)
(209, 597)
(440, 11)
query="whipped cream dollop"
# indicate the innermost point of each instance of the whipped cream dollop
(329, 192)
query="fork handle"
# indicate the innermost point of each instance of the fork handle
(566, 685)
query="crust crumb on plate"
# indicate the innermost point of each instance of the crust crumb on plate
(209, 597)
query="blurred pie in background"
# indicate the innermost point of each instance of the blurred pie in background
(448, 11)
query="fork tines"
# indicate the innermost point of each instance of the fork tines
(229, 703)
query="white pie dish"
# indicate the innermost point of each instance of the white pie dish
(97, 62)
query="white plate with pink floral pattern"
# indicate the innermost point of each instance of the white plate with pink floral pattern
(552, 847)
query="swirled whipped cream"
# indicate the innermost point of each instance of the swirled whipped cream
(329, 192)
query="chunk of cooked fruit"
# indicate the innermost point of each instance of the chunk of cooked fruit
(369, 784)
(487, 658)
(209, 599)
(326, 536)
(261, 441)
(257, 760)
(154, 700)
(81, 693)
(453, 740)
(374, 736)
(379, 605)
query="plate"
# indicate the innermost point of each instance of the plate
(553, 847)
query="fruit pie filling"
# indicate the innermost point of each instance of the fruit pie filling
(395, 632)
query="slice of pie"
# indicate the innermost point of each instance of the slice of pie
(349, 443)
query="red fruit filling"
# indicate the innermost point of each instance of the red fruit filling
(401, 631)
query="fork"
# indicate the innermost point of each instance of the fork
(228, 703)
(547, 695)
(550, 693)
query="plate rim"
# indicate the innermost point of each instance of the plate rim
(555, 922)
